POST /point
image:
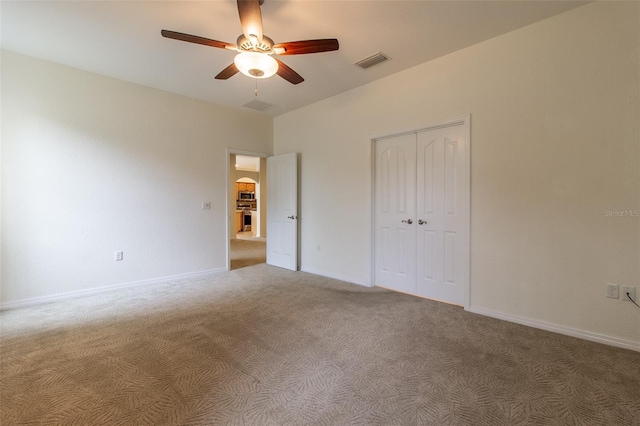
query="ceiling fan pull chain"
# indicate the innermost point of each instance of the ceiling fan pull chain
(256, 93)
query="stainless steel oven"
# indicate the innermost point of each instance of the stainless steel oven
(246, 220)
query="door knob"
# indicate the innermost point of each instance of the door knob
(409, 221)
(422, 222)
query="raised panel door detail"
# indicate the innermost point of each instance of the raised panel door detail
(426, 179)
(449, 257)
(385, 249)
(288, 234)
(385, 180)
(425, 253)
(401, 180)
(277, 245)
(450, 175)
(401, 252)
(283, 196)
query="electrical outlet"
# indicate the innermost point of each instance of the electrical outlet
(631, 291)
(119, 256)
(612, 291)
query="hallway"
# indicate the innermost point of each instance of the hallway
(247, 252)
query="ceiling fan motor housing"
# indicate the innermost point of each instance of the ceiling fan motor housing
(264, 46)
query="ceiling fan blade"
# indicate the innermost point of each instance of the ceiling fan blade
(196, 39)
(307, 46)
(250, 19)
(229, 71)
(288, 74)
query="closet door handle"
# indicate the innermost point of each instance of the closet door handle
(409, 221)
(422, 222)
(291, 217)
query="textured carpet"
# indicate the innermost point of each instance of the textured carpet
(265, 346)
(245, 253)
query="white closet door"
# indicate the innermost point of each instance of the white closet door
(421, 216)
(442, 243)
(395, 208)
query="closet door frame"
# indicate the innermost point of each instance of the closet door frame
(465, 122)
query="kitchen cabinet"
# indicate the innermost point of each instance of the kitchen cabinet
(244, 187)
(238, 221)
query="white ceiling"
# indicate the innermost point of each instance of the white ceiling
(122, 39)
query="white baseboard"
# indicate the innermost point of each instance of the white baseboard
(561, 329)
(98, 290)
(334, 276)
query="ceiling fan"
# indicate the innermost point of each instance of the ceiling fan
(256, 49)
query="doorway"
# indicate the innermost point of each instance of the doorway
(246, 199)
(247, 218)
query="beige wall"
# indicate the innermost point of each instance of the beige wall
(554, 146)
(92, 165)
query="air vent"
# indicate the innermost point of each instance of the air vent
(259, 105)
(372, 60)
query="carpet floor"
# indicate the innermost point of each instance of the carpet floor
(245, 253)
(266, 346)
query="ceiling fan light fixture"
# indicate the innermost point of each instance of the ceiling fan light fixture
(255, 64)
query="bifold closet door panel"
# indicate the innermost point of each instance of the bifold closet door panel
(440, 200)
(395, 208)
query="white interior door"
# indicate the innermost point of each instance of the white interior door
(442, 250)
(395, 236)
(282, 211)
(421, 216)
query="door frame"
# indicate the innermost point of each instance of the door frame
(465, 122)
(227, 203)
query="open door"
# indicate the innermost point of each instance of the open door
(282, 211)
